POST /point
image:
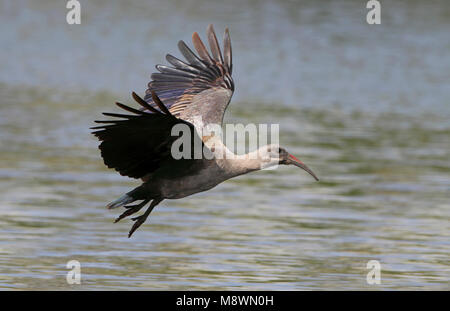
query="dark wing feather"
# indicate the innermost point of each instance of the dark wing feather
(180, 87)
(201, 49)
(137, 145)
(227, 51)
(214, 44)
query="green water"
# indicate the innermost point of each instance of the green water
(368, 109)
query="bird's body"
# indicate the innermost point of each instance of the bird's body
(193, 94)
(176, 182)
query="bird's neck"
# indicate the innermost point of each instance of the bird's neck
(246, 163)
(233, 164)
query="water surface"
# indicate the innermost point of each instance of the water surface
(366, 107)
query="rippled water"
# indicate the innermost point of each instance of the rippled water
(367, 107)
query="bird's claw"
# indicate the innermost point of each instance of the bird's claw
(138, 222)
(128, 212)
(132, 206)
(131, 209)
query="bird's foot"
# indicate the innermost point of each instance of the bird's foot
(138, 221)
(131, 209)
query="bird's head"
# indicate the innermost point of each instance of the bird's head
(274, 154)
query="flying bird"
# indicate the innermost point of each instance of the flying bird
(195, 93)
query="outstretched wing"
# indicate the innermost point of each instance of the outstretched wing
(138, 144)
(201, 86)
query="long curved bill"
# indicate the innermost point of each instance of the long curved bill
(293, 160)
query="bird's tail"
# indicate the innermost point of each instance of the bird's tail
(133, 195)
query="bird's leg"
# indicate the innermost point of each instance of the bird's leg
(131, 209)
(141, 219)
